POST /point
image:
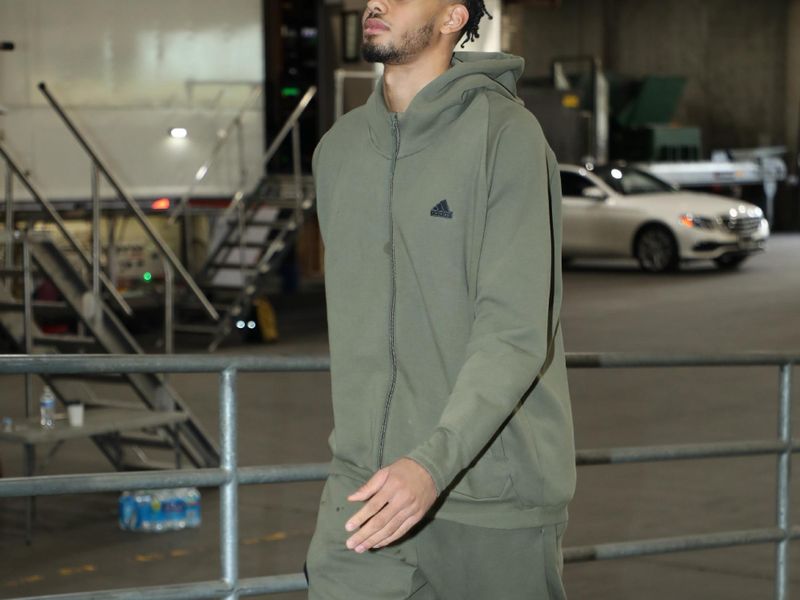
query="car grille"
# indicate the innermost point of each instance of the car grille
(742, 225)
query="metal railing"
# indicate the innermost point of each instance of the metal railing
(229, 476)
(13, 169)
(339, 77)
(234, 126)
(98, 167)
(292, 125)
(240, 213)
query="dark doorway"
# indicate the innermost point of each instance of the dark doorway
(291, 47)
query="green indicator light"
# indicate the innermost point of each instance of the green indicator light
(147, 276)
(290, 91)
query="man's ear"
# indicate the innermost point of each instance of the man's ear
(456, 18)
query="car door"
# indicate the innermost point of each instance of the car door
(595, 226)
(579, 223)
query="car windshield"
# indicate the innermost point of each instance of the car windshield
(627, 180)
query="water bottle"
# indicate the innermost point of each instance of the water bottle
(132, 513)
(144, 511)
(47, 408)
(157, 519)
(193, 516)
(127, 511)
(174, 509)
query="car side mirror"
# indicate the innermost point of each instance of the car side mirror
(594, 192)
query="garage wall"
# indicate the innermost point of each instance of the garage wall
(733, 52)
(539, 33)
(793, 79)
(127, 72)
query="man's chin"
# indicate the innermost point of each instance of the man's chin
(369, 53)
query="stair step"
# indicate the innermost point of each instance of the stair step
(15, 271)
(247, 270)
(148, 464)
(194, 329)
(225, 287)
(259, 245)
(111, 403)
(276, 224)
(96, 377)
(50, 306)
(65, 340)
(260, 222)
(281, 202)
(145, 441)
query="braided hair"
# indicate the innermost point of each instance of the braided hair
(476, 9)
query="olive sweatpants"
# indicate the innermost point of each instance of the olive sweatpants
(437, 560)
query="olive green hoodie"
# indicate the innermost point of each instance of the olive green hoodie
(442, 233)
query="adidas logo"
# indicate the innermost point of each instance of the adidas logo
(442, 210)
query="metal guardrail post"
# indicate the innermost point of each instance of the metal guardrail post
(9, 187)
(27, 313)
(287, 126)
(240, 152)
(27, 302)
(169, 308)
(95, 241)
(339, 76)
(784, 490)
(229, 491)
(298, 175)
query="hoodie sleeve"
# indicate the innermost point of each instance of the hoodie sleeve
(514, 305)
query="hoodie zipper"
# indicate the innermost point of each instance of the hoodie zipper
(392, 350)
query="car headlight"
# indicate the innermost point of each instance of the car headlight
(690, 220)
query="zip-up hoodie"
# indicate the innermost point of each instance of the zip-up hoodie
(442, 234)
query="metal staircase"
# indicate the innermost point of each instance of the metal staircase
(254, 233)
(253, 236)
(174, 428)
(166, 420)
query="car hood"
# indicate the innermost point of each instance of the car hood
(696, 203)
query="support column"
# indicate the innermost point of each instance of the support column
(793, 85)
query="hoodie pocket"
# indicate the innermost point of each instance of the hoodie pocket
(488, 479)
(527, 477)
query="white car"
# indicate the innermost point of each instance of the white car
(622, 211)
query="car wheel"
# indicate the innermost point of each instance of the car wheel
(730, 261)
(656, 249)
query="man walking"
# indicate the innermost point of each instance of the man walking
(439, 206)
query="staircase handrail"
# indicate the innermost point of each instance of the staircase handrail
(14, 168)
(290, 123)
(222, 140)
(289, 126)
(163, 248)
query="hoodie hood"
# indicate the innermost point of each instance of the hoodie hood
(442, 100)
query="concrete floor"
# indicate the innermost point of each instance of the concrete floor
(608, 306)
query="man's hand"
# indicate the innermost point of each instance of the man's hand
(396, 497)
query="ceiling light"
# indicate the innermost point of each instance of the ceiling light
(178, 133)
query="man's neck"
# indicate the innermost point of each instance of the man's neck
(402, 82)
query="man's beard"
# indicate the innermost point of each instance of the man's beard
(411, 44)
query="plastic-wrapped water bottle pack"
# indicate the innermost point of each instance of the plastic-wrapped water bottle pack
(159, 510)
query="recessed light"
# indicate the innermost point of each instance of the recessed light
(178, 133)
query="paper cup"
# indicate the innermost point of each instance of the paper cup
(75, 413)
